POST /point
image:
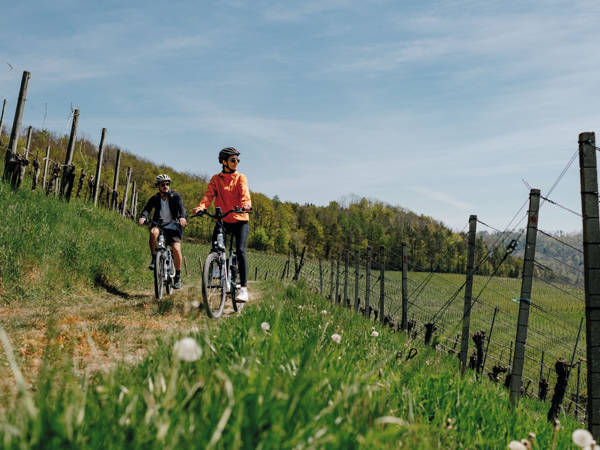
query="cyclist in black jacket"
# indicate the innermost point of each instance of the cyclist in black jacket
(170, 212)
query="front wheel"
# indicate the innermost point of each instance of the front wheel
(169, 273)
(158, 275)
(213, 285)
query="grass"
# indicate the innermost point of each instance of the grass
(289, 387)
(553, 320)
(77, 300)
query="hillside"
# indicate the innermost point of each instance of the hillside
(279, 226)
(560, 255)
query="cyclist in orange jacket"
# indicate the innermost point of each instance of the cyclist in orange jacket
(229, 188)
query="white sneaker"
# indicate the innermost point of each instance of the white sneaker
(242, 295)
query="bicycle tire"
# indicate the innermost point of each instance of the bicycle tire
(158, 275)
(169, 281)
(213, 288)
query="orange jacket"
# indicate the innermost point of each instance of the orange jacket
(229, 190)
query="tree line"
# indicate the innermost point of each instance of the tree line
(280, 226)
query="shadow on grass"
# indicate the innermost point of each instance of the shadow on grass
(100, 281)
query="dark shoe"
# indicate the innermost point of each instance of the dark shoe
(177, 282)
(151, 265)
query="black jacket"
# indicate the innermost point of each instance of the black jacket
(175, 204)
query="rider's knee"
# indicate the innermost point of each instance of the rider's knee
(155, 232)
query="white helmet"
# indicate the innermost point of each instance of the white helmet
(161, 178)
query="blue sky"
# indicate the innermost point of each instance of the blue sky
(439, 107)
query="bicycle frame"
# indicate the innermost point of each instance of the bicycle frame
(226, 264)
(164, 256)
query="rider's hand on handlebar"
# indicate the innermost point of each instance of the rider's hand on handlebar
(142, 220)
(182, 221)
(198, 210)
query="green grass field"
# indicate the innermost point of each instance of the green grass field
(289, 387)
(553, 320)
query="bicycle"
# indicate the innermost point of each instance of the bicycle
(164, 267)
(220, 272)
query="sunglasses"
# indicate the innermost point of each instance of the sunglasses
(234, 160)
(166, 183)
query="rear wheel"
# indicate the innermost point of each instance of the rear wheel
(213, 285)
(158, 275)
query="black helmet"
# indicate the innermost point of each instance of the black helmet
(227, 152)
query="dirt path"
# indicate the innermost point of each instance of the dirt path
(98, 329)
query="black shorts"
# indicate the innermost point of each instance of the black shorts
(172, 236)
(173, 232)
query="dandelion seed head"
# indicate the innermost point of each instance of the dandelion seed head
(336, 338)
(582, 438)
(265, 326)
(516, 445)
(187, 349)
(374, 333)
(324, 311)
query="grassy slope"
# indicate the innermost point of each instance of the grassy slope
(51, 249)
(290, 387)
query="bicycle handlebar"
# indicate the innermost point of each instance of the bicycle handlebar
(219, 215)
(154, 223)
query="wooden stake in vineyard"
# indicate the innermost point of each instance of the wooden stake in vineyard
(404, 323)
(11, 152)
(525, 299)
(68, 174)
(99, 167)
(591, 263)
(466, 319)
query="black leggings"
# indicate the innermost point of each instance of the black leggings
(240, 231)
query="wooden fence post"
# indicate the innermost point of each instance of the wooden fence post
(68, 174)
(368, 284)
(11, 152)
(404, 323)
(115, 193)
(135, 205)
(346, 264)
(591, 261)
(127, 182)
(82, 176)
(36, 173)
(466, 318)
(2, 117)
(46, 163)
(525, 299)
(133, 200)
(356, 278)
(24, 161)
(489, 339)
(99, 167)
(382, 282)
